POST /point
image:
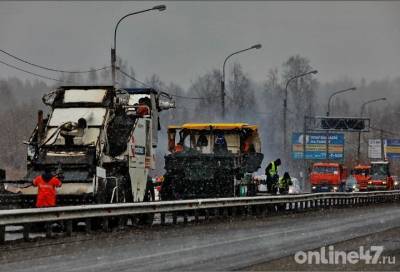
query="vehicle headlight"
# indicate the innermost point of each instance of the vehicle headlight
(335, 188)
(369, 182)
(314, 187)
(396, 183)
(354, 186)
(384, 182)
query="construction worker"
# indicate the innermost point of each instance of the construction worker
(271, 171)
(178, 148)
(248, 146)
(220, 143)
(46, 184)
(143, 107)
(284, 183)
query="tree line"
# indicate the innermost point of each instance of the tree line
(247, 100)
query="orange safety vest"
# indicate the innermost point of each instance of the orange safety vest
(46, 196)
(178, 148)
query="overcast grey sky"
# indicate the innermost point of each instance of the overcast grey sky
(357, 39)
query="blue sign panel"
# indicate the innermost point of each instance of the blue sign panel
(392, 148)
(316, 146)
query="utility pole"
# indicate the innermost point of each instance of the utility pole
(382, 145)
(305, 174)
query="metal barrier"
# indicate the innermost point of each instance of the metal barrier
(218, 206)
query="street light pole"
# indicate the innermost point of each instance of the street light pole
(361, 115)
(256, 46)
(336, 93)
(328, 113)
(114, 50)
(285, 105)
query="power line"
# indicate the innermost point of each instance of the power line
(194, 98)
(32, 73)
(385, 131)
(175, 95)
(52, 69)
(133, 78)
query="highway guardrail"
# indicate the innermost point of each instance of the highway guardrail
(205, 207)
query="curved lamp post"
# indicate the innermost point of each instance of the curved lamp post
(285, 105)
(256, 46)
(328, 113)
(113, 50)
(361, 115)
(336, 93)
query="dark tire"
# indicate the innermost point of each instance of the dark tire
(147, 219)
(167, 191)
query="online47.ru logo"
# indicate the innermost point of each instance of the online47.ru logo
(373, 255)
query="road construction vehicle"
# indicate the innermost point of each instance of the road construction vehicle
(328, 177)
(211, 160)
(2, 174)
(361, 173)
(100, 141)
(380, 178)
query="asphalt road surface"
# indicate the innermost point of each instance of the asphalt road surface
(389, 240)
(228, 245)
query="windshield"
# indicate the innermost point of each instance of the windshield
(325, 170)
(364, 172)
(379, 171)
(79, 96)
(93, 116)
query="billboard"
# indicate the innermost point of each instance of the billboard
(374, 149)
(316, 146)
(392, 148)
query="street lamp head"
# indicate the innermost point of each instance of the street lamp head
(353, 89)
(383, 98)
(160, 7)
(314, 72)
(256, 46)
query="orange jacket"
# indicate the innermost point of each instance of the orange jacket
(178, 148)
(46, 196)
(142, 110)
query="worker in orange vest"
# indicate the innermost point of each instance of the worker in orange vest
(46, 184)
(178, 148)
(143, 109)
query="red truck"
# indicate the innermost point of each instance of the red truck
(328, 177)
(380, 177)
(361, 173)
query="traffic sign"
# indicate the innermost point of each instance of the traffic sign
(316, 146)
(374, 149)
(392, 148)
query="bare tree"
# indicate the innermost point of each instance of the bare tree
(302, 90)
(241, 100)
(207, 89)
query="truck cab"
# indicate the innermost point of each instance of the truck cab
(328, 177)
(361, 173)
(380, 178)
